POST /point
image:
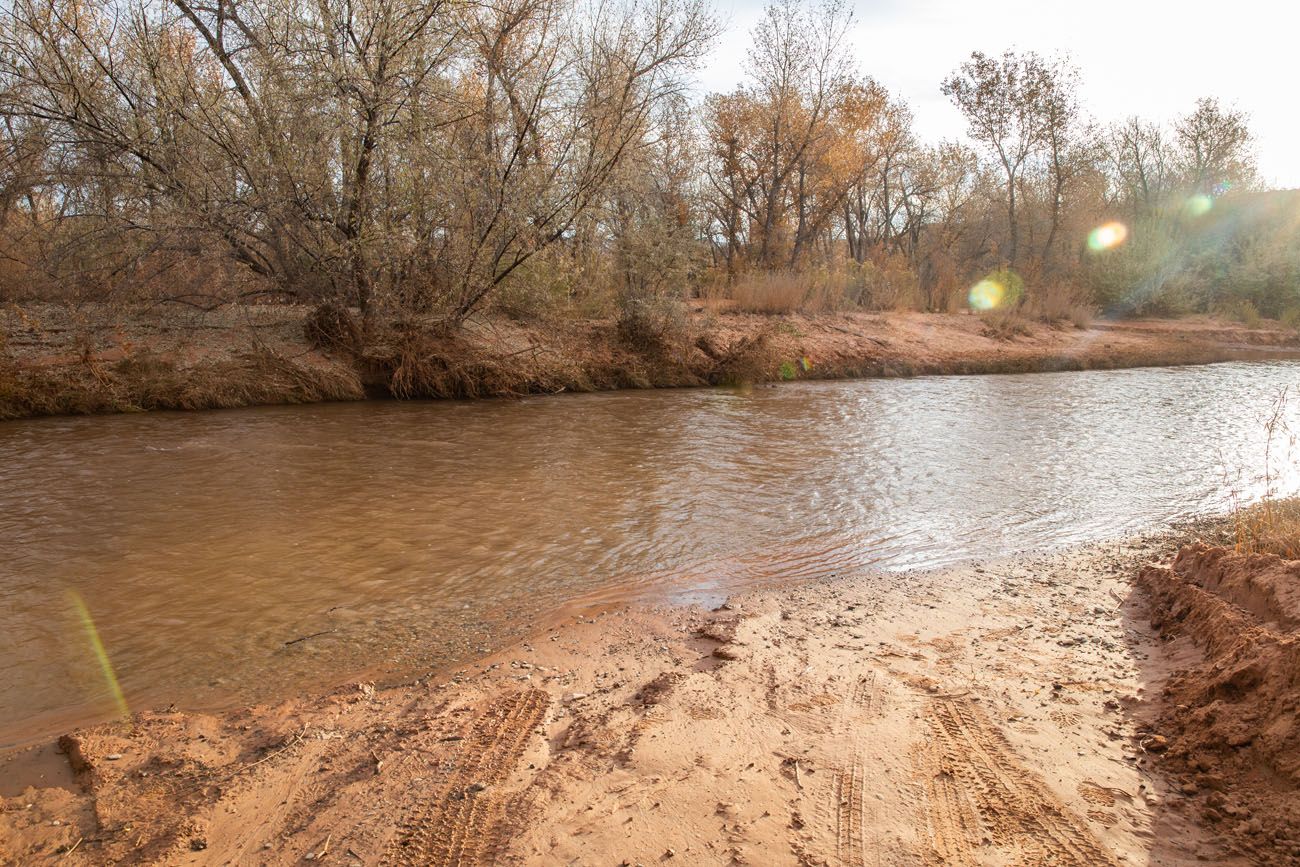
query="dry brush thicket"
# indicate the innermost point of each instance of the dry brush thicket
(430, 159)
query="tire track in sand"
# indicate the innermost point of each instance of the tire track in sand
(463, 824)
(863, 701)
(979, 793)
(846, 788)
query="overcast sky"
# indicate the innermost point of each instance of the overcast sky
(1153, 58)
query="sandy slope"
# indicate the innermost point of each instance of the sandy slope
(989, 715)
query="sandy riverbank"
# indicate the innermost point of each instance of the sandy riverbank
(1004, 713)
(56, 360)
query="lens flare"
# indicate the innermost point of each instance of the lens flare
(806, 363)
(986, 294)
(1199, 206)
(101, 655)
(1107, 237)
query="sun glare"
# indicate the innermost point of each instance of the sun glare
(1107, 237)
(987, 294)
(1199, 205)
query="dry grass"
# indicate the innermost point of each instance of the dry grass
(145, 381)
(1005, 325)
(1272, 525)
(771, 292)
(1239, 310)
(1269, 527)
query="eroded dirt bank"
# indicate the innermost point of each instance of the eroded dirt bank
(56, 360)
(1232, 712)
(1004, 713)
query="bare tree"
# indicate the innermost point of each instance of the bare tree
(1003, 101)
(1214, 145)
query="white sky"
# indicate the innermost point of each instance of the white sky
(1153, 58)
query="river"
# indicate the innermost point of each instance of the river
(240, 555)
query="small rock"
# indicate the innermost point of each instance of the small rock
(112, 757)
(1155, 744)
(476, 787)
(198, 844)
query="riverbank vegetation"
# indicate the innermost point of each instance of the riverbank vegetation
(59, 360)
(401, 178)
(413, 159)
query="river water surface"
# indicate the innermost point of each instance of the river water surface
(230, 556)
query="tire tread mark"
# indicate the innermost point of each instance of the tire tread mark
(456, 827)
(970, 760)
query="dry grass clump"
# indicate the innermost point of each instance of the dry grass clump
(864, 285)
(653, 325)
(333, 327)
(746, 360)
(1068, 316)
(1060, 305)
(1271, 526)
(1239, 310)
(146, 380)
(771, 292)
(426, 364)
(1005, 324)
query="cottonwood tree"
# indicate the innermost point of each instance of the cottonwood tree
(1214, 144)
(1140, 164)
(1003, 100)
(767, 136)
(1068, 144)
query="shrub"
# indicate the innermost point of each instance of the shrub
(652, 324)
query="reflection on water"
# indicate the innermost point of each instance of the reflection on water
(206, 545)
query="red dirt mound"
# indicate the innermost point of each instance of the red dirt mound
(1233, 721)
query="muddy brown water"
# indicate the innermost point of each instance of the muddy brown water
(234, 556)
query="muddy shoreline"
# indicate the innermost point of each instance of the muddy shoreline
(980, 714)
(60, 361)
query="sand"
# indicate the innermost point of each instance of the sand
(992, 714)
